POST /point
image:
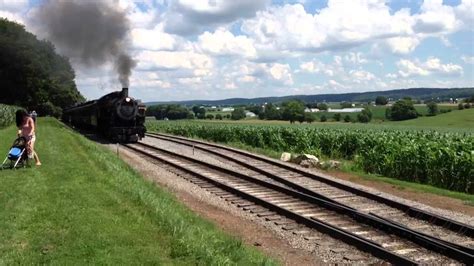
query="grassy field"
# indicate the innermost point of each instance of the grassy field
(84, 206)
(454, 119)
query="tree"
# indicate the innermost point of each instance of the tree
(365, 116)
(169, 111)
(309, 118)
(237, 114)
(323, 107)
(381, 100)
(256, 109)
(271, 113)
(460, 106)
(293, 111)
(402, 110)
(347, 118)
(323, 118)
(467, 105)
(432, 108)
(210, 116)
(337, 117)
(346, 105)
(199, 112)
(218, 117)
(32, 74)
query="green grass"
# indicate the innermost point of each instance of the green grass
(85, 206)
(454, 119)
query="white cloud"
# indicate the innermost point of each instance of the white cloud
(153, 39)
(436, 18)
(281, 73)
(391, 76)
(223, 42)
(166, 60)
(432, 65)
(355, 58)
(361, 75)
(186, 17)
(467, 59)
(318, 67)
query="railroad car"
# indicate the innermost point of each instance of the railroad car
(115, 116)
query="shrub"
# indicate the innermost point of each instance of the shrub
(7, 114)
(347, 118)
(323, 118)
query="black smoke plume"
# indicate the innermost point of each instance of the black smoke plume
(92, 32)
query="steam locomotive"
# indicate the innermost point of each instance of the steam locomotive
(115, 115)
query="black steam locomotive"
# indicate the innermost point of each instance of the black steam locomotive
(115, 115)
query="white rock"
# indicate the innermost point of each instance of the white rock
(286, 157)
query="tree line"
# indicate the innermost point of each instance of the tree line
(32, 74)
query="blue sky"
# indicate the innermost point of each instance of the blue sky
(214, 49)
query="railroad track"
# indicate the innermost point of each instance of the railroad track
(320, 186)
(381, 237)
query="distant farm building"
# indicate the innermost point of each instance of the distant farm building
(227, 109)
(311, 110)
(250, 114)
(345, 110)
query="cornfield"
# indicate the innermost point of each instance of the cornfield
(7, 115)
(444, 160)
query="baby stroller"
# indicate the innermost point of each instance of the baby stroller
(17, 156)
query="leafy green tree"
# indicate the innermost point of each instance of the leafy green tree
(467, 105)
(460, 106)
(347, 118)
(432, 108)
(238, 113)
(323, 107)
(323, 118)
(365, 116)
(256, 109)
(381, 100)
(346, 105)
(309, 118)
(402, 110)
(337, 117)
(270, 112)
(293, 110)
(199, 112)
(218, 117)
(210, 116)
(32, 74)
(169, 111)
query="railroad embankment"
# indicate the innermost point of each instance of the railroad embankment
(83, 205)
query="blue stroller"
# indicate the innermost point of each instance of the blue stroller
(17, 156)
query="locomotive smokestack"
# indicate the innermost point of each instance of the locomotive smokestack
(125, 92)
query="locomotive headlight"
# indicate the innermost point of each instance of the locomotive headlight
(127, 99)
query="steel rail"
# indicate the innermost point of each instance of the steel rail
(431, 243)
(338, 233)
(417, 213)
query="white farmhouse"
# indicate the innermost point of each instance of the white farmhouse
(227, 109)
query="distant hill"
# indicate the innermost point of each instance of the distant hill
(414, 93)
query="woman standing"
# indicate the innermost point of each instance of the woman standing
(26, 129)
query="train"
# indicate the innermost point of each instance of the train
(116, 116)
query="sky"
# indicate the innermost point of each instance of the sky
(216, 49)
